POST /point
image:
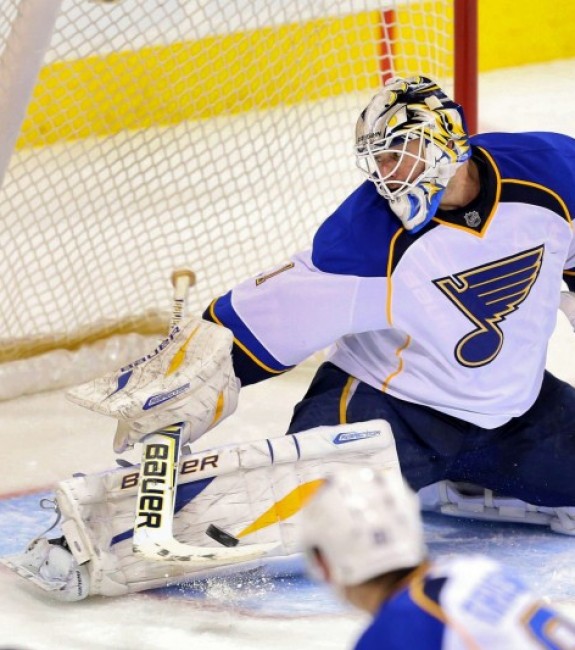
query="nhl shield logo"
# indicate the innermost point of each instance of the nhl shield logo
(472, 219)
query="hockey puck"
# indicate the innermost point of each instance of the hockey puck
(225, 539)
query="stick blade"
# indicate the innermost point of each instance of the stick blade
(200, 557)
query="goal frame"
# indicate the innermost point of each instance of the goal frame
(38, 215)
(465, 57)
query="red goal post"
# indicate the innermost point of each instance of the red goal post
(139, 135)
(465, 54)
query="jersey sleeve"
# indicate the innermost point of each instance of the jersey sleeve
(282, 317)
(337, 288)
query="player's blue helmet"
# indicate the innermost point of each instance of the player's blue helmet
(406, 110)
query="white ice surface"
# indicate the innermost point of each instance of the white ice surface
(45, 439)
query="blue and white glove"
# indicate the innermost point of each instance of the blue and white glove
(418, 207)
(188, 378)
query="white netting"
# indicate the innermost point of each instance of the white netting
(211, 134)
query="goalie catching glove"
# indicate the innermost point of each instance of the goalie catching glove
(188, 378)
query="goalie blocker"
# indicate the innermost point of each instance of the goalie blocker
(239, 503)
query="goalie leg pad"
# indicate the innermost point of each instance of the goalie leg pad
(564, 521)
(474, 502)
(254, 491)
(50, 566)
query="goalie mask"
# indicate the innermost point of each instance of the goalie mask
(361, 524)
(410, 140)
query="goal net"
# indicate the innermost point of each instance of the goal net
(144, 135)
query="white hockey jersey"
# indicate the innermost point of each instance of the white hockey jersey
(466, 603)
(456, 317)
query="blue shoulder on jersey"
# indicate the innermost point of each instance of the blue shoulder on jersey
(538, 167)
(401, 624)
(543, 159)
(356, 238)
(252, 362)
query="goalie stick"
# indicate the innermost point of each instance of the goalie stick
(158, 480)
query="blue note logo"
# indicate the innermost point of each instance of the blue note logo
(487, 295)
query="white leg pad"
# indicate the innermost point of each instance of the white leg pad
(474, 502)
(253, 491)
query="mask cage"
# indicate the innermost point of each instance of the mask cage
(374, 158)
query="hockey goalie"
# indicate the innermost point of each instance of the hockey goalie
(236, 505)
(435, 284)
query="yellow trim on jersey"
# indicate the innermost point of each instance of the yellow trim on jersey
(499, 186)
(243, 348)
(343, 402)
(456, 226)
(544, 189)
(394, 374)
(419, 597)
(284, 508)
(399, 351)
(554, 629)
(262, 278)
(494, 207)
(389, 271)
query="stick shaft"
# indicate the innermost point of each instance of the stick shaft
(159, 466)
(157, 486)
